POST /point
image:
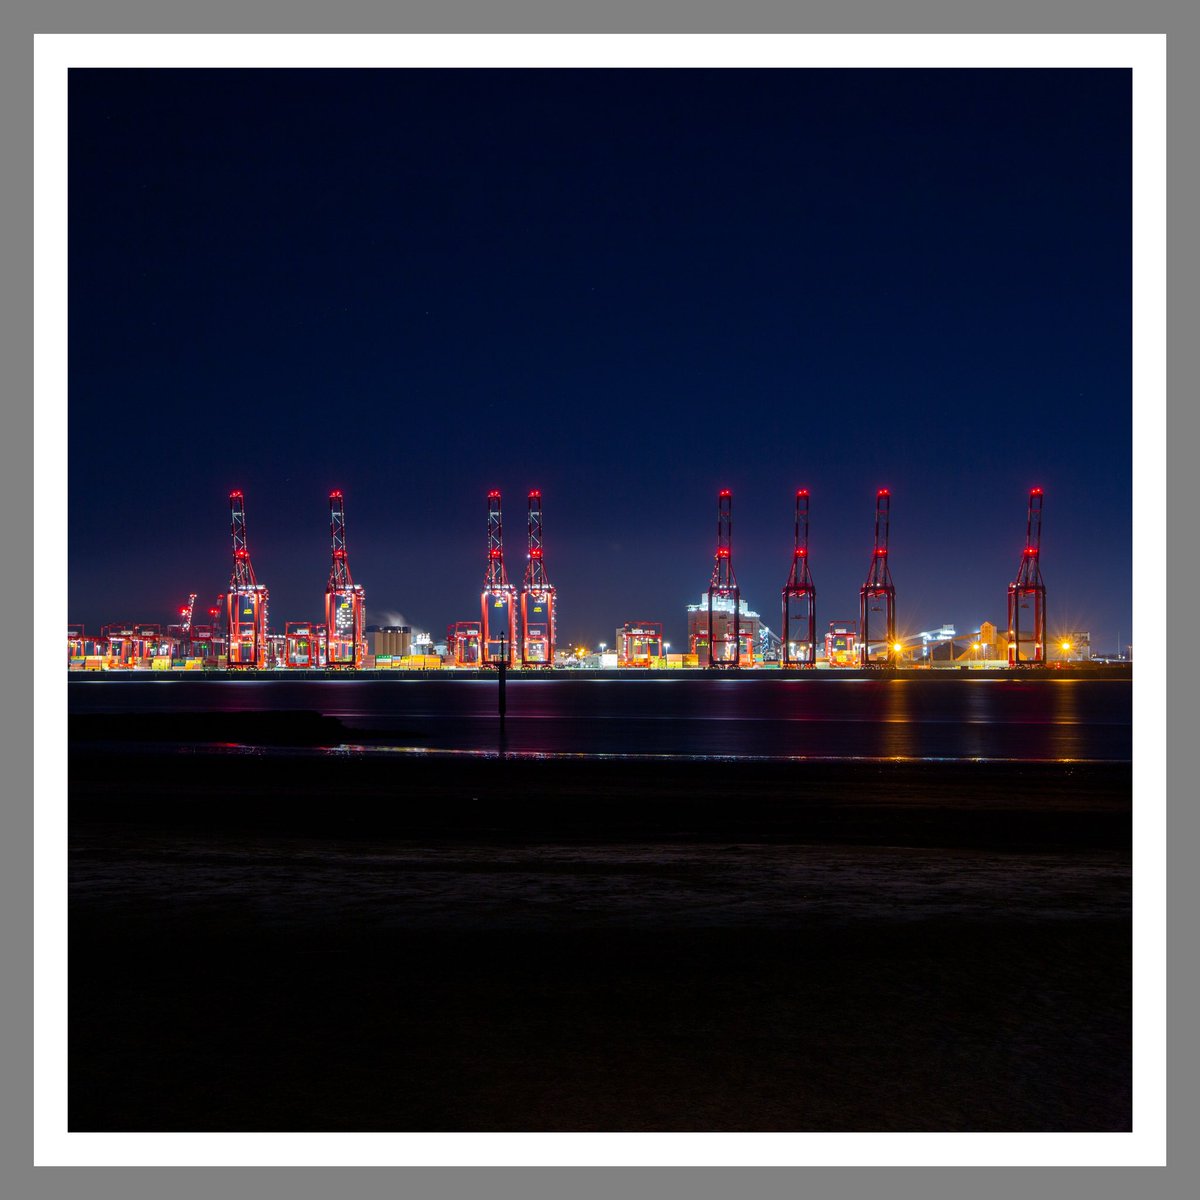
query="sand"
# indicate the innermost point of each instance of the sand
(267, 942)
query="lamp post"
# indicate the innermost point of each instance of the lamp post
(500, 675)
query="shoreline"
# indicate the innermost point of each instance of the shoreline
(1027, 673)
(896, 803)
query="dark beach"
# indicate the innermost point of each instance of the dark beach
(353, 942)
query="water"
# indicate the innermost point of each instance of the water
(918, 718)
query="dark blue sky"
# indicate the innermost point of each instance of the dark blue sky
(626, 288)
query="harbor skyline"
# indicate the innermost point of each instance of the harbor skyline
(626, 289)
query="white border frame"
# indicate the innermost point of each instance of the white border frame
(54, 55)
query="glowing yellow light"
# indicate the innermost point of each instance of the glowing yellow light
(897, 647)
(1066, 645)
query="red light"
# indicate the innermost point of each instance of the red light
(536, 552)
(802, 492)
(234, 494)
(493, 495)
(534, 495)
(493, 553)
(880, 552)
(725, 492)
(801, 552)
(722, 553)
(884, 492)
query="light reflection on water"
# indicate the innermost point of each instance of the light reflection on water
(756, 718)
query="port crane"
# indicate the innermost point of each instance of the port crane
(538, 596)
(345, 602)
(1029, 589)
(723, 587)
(185, 614)
(878, 587)
(247, 599)
(498, 602)
(800, 593)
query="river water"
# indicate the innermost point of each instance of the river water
(824, 719)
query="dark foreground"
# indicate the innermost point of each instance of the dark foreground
(267, 943)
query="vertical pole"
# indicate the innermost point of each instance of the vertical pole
(500, 674)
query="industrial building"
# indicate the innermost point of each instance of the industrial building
(392, 641)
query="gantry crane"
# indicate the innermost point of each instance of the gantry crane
(247, 600)
(345, 601)
(498, 602)
(1028, 588)
(878, 587)
(800, 591)
(723, 588)
(538, 595)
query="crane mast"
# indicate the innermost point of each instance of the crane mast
(345, 601)
(879, 587)
(800, 593)
(724, 590)
(1028, 589)
(247, 599)
(538, 615)
(185, 614)
(498, 606)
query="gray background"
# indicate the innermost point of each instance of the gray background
(20, 20)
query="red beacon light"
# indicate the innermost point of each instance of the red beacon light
(493, 495)
(802, 492)
(884, 492)
(725, 492)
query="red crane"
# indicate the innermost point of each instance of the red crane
(185, 614)
(538, 595)
(247, 600)
(799, 591)
(345, 601)
(724, 590)
(1028, 588)
(878, 587)
(498, 603)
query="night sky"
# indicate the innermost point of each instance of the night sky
(626, 288)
